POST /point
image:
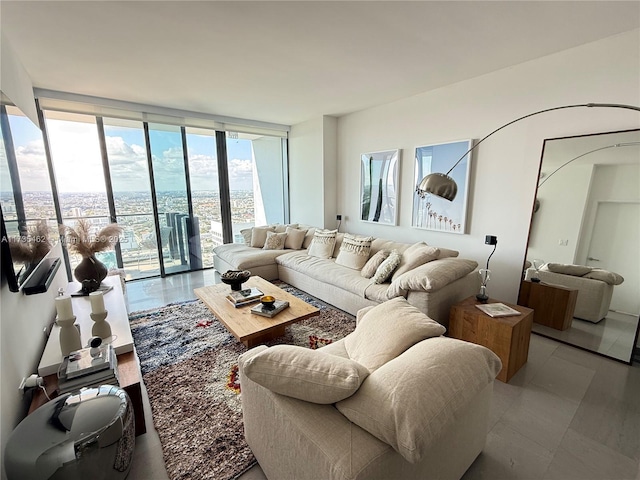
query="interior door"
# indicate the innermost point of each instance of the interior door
(618, 252)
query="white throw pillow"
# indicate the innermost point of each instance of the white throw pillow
(387, 330)
(323, 243)
(373, 263)
(354, 251)
(275, 241)
(259, 236)
(414, 256)
(310, 375)
(386, 268)
(295, 238)
(246, 235)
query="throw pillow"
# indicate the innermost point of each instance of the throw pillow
(246, 235)
(387, 267)
(575, 270)
(605, 276)
(279, 228)
(414, 256)
(387, 330)
(323, 243)
(275, 241)
(295, 238)
(308, 238)
(259, 235)
(354, 251)
(310, 375)
(373, 263)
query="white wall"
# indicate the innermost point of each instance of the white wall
(22, 340)
(505, 167)
(313, 171)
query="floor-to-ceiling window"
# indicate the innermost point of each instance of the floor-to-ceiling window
(168, 186)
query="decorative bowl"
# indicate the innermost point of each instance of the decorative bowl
(235, 278)
(268, 301)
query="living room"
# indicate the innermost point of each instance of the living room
(325, 145)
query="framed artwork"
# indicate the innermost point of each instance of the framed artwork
(435, 213)
(379, 187)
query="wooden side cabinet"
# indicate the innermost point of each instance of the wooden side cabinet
(553, 305)
(507, 337)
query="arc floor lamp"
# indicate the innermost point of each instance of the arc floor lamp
(442, 185)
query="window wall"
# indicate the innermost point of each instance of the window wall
(170, 187)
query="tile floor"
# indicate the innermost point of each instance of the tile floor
(567, 414)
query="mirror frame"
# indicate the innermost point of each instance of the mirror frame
(534, 205)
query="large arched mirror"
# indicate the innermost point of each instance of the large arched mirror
(586, 227)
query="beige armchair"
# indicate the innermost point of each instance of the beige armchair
(595, 287)
(394, 399)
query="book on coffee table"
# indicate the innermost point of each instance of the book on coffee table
(498, 310)
(278, 306)
(243, 297)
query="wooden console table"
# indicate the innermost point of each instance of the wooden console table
(507, 337)
(128, 366)
(553, 305)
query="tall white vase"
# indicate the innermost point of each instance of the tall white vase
(69, 335)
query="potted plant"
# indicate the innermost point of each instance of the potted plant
(90, 271)
(31, 248)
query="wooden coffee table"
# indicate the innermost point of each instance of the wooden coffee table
(247, 327)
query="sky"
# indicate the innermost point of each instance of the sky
(76, 156)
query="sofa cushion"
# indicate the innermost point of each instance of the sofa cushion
(605, 276)
(373, 263)
(325, 270)
(323, 243)
(354, 251)
(403, 326)
(246, 235)
(576, 270)
(310, 375)
(280, 228)
(386, 268)
(275, 241)
(421, 403)
(243, 257)
(295, 238)
(414, 256)
(432, 276)
(259, 235)
(308, 238)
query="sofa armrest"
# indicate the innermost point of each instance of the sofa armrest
(431, 276)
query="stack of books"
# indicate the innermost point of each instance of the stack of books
(270, 312)
(88, 367)
(238, 298)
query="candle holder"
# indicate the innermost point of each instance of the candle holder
(101, 327)
(69, 335)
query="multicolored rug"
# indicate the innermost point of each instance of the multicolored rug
(189, 366)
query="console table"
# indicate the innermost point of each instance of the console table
(553, 305)
(128, 366)
(507, 337)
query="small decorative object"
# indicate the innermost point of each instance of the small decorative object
(69, 333)
(235, 278)
(101, 327)
(484, 278)
(485, 273)
(90, 271)
(268, 301)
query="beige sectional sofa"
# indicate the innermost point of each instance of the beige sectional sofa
(392, 400)
(594, 285)
(432, 287)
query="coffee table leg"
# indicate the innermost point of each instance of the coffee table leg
(260, 339)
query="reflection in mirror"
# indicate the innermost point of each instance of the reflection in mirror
(585, 229)
(25, 194)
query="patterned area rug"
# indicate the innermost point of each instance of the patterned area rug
(189, 366)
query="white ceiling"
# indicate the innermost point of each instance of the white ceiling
(287, 62)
